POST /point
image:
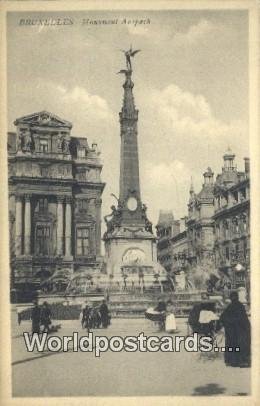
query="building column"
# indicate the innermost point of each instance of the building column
(18, 226)
(92, 237)
(98, 226)
(68, 227)
(27, 225)
(60, 225)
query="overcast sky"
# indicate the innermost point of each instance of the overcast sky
(191, 89)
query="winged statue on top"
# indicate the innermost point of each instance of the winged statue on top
(128, 55)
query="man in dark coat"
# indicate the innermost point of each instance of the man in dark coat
(46, 317)
(36, 318)
(86, 317)
(104, 313)
(237, 333)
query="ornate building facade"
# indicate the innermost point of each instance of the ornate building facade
(167, 227)
(179, 244)
(54, 200)
(216, 236)
(200, 224)
(232, 220)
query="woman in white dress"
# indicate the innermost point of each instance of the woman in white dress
(170, 321)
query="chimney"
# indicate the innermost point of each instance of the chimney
(247, 165)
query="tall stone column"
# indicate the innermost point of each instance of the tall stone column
(98, 226)
(68, 227)
(27, 225)
(18, 226)
(60, 225)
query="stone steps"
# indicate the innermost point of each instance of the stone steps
(125, 304)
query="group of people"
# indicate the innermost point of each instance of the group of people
(233, 319)
(95, 316)
(41, 318)
(203, 319)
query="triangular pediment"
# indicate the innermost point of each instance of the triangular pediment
(43, 118)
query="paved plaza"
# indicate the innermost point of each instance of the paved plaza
(121, 374)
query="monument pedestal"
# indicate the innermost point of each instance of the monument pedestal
(131, 258)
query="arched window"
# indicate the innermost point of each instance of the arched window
(225, 229)
(235, 225)
(243, 223)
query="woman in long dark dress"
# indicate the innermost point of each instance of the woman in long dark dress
(104, 313)
(237, 333)
(46, 317)
(36, 318)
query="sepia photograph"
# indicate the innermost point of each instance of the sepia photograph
(128, 150)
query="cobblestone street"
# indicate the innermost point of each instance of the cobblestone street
(124, 373)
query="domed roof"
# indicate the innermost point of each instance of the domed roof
(229, 154)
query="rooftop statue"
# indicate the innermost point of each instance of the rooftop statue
(128, 55)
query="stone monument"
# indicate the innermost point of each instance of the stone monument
(130, 245)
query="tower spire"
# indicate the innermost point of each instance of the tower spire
(191, 186)
(128, 110)
(129, 166)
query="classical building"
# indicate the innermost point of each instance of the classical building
(54, 200)
(200, 224)
(232, 220)
(130, 244)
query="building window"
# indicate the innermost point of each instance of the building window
(227, 253)
(235, 225)
(243, 223)
(245, 249)
(82, 205)
(43, 145)
(82, 152)
(43, 205)
(243, 194)
(82, 241)
(43, 240)
(226, 229)
(235, 197)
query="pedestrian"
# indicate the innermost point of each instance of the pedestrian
(46, 317)
(237, 333)
(36, 318)
(19, 315)
(96, 316)
(104, 313)
(170, 321)
(86, 317)
(161, 308)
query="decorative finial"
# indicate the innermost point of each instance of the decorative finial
(191, 186)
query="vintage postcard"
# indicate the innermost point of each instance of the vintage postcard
(130, 206)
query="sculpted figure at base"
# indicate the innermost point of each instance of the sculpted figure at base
(115, 218)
